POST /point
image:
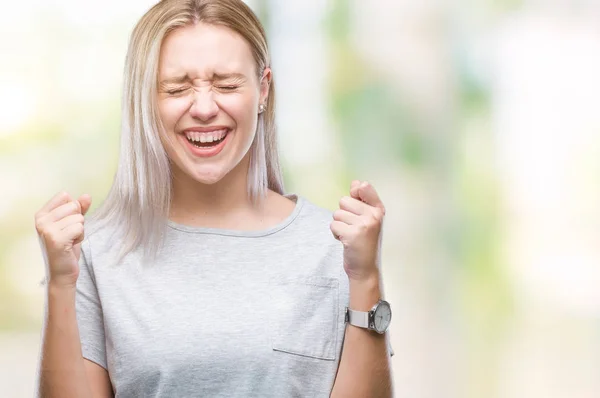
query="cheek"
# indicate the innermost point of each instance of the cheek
(171, 110)
(242, 109)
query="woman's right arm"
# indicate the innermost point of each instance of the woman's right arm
(63, 371)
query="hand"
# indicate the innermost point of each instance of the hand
(357, 224)
(59, 225)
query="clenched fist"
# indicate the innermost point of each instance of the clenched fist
(59, 224)
(358, 224)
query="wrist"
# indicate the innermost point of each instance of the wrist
(366, 281)
(58, 288)
(364, 292)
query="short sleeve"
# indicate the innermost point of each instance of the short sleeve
(89, 311)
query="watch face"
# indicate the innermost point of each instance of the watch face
(382, 317)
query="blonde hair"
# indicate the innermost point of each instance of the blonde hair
(140, 197)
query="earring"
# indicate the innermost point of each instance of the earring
(261, 108)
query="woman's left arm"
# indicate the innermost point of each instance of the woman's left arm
(364, 369)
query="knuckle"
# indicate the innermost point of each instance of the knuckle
(379, 214)
(51, 238)
(62, 196)
(375, 221)
(39, 227)
(365, 223)
(364, 226)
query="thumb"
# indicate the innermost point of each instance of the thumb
(354, 189)
(85, 201)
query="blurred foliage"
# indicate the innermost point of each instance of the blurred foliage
(374, 126)
(378, 130)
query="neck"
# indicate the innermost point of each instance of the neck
(201, 204)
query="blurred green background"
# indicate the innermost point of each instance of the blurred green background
(477, 121)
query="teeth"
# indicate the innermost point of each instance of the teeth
(205, 137)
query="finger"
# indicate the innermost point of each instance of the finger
(73, 232)
(339, 229)
(44, 222)
(353, 205)
(85, 201)
(368, 194)
(58, 199)
(354, 189)
(80, 239)
(62, 211)
(69, 220)
(57, 214)
(346, 217)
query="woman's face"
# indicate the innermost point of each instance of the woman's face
(208, 98)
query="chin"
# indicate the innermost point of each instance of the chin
(206, 177)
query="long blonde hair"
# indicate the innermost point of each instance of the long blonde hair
(140, 197)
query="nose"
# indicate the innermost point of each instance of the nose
(204, 106)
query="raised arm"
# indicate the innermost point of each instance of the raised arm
(63, 372)
(364, 370)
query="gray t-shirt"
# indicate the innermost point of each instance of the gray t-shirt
(222, 313)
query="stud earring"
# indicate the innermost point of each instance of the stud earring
(261, 108)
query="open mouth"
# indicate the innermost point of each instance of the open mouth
(203, 140)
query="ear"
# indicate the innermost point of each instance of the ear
(265, 83)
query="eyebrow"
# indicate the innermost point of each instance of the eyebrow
(225, 76)
(175, 80)
(215, 76)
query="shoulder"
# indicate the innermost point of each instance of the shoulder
(312, 214)
(299, 215)
(100, 237)
(313, 228)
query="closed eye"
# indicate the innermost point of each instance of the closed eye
(178, 91)
(227, 88)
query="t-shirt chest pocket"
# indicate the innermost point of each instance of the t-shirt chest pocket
(304, 316)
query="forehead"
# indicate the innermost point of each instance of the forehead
(201, 49)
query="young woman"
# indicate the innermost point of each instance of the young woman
(198, 276)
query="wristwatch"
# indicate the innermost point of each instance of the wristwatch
(377, 319)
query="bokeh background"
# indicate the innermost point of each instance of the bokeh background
(477, 121)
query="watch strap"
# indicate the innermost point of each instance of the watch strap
(357, 318)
